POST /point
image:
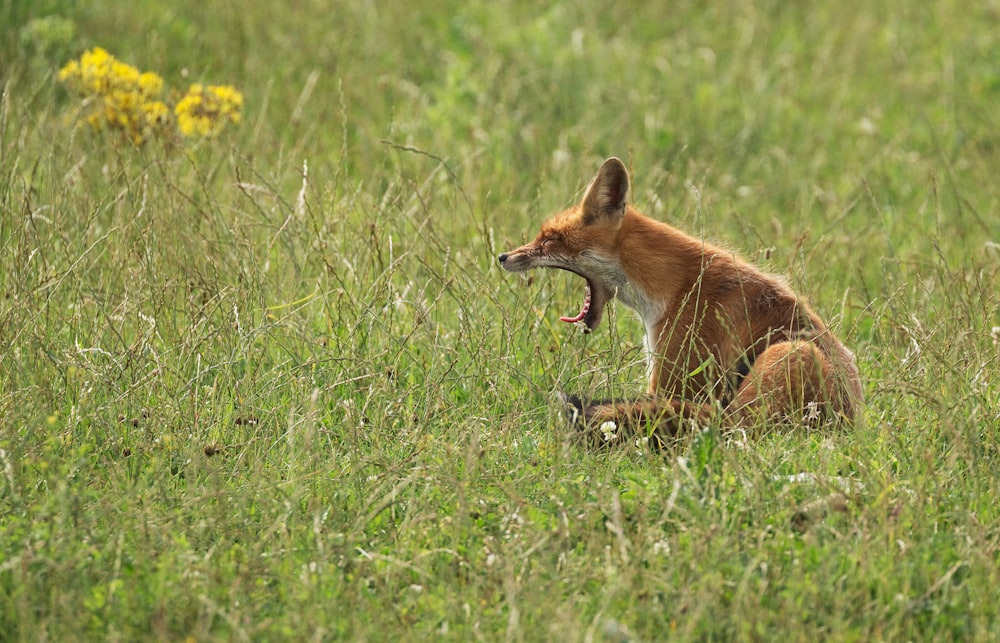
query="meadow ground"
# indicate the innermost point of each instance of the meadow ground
(272, 384)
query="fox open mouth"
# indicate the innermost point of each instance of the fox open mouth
(590, 312)
(583, 311)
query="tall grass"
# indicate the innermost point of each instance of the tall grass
(272, 385)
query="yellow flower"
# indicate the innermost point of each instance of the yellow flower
(96, 56)
(228, 96)
(70, 70)
(156, 112)
(119, 97)
(150, 84)
(123, 75)
(204, 110)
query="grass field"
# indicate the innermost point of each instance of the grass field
(272, 385)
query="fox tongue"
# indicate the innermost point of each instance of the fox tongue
(583, 311)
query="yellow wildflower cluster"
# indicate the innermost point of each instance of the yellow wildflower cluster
(117, 96)
(203, 110)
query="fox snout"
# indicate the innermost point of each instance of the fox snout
(509, 261)
(526, 258)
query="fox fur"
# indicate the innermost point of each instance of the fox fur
(724, 340)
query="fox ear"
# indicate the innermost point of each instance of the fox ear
(607, 195)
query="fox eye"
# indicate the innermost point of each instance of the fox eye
(549, 240)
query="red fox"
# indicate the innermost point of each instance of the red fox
(723, 339)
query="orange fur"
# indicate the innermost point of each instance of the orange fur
(719, 332)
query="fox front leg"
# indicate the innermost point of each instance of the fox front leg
(611, 422)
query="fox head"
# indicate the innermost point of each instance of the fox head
(584, 240)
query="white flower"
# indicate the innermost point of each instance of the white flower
(609, 430)
(661, 548)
